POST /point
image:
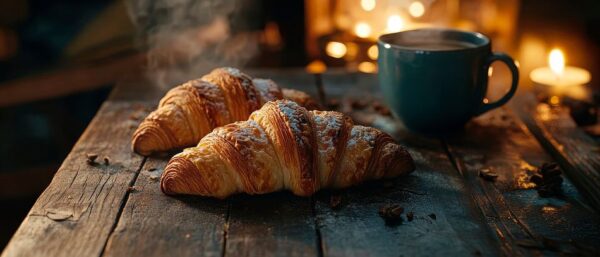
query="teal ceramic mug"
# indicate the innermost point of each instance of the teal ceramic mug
(435, 80)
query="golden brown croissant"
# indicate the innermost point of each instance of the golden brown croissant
(285, 146)
(190, 111)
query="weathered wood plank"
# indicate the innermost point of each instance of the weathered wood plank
(277, 224)
(434, 188)
(270, 225)
(109, 219)
(500, 142)
(577, 153)
(153, 224)
(150, 214)
(75, 214)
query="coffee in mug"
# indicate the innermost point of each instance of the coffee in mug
(435, 80)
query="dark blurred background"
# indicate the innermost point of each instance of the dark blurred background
(59, 59)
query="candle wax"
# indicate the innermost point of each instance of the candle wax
(571, 76)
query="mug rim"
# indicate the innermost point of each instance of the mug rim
(382, 40)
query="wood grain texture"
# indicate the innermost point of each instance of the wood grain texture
(154, 224)
(500, 142)
(356, 229)
(271, 225)
(75, 214)
(434, 188)
(92, 211)
(277, 224)
(577, 153)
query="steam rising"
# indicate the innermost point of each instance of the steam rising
(185, 39)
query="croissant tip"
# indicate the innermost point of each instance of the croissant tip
(149, 138)
(400, 162)
(138, 143)
(409, 162)
(168, 180)
(180, 177)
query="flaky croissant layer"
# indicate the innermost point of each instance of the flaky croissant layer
(285, 146)
(190, 111)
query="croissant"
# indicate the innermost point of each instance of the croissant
(190, 111)
(285, 146)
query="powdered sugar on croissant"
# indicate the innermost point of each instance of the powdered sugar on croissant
(285, 146)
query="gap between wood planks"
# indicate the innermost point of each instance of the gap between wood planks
(123, 203)
(490, 201)
(226, 229)
(447, 157)
(567, 143)
(313, 203)
(485, 204)
(227, 219)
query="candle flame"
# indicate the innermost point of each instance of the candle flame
(416, 9)
(556, 61)
(368, 5)
(336, 49)
(362, 29)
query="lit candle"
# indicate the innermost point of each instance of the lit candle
(561, 79)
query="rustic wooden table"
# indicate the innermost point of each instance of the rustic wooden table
(119, 210)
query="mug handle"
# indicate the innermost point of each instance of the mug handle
(513, 88)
